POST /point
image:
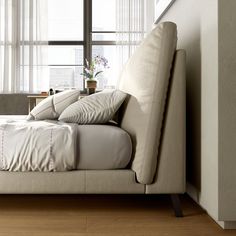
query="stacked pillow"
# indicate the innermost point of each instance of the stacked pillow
(94, 109)
(52, 106)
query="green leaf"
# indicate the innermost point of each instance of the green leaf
(99, 72)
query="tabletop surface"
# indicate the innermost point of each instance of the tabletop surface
(37, 96)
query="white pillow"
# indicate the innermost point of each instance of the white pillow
(52, 106)
(94, 109)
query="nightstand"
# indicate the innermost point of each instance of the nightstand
(34, 100)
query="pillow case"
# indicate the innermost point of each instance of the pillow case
(94, 109)
(52, 106)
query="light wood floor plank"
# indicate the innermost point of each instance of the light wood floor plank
(102, 215)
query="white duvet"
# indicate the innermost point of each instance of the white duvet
(37, 145)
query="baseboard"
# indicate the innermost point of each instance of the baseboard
(194, 194)
(229, 225)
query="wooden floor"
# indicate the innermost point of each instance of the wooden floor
(88, 215)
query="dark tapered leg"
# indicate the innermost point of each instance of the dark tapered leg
(176, 205)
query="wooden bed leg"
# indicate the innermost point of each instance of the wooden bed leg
(176, 205)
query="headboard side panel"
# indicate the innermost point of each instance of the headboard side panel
(170, 175)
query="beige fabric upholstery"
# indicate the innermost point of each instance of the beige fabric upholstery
(146, 77)
(170, 176)
(100, 181)
(112, 181)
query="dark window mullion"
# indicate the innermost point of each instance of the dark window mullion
(87, 30)
(65, 43)
(103, 32)
(77, 65)
(104, 42)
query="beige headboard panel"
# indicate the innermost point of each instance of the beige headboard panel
(146, 77)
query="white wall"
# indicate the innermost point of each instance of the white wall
(211, 158)
(209, 107)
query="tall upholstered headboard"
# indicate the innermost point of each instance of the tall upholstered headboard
(146, 77)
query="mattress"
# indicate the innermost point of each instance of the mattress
(99, 147)
(102, 147)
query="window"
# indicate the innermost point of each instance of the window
(66, 43)
(79, 29)
(44, 43)
(104, 38)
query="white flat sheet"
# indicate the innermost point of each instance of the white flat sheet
(36, 145)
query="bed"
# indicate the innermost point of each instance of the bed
(151, 134)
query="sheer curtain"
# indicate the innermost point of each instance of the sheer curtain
(23, 46)
(134, 18)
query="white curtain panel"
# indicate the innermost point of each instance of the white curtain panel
(23, 46)
(134, 18)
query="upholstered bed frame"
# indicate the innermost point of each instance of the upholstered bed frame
(153, 115)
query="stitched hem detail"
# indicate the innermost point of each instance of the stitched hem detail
(51, 161)
(2, 147)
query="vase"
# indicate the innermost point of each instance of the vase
(91, 86)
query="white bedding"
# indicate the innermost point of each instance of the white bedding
(36, 145)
